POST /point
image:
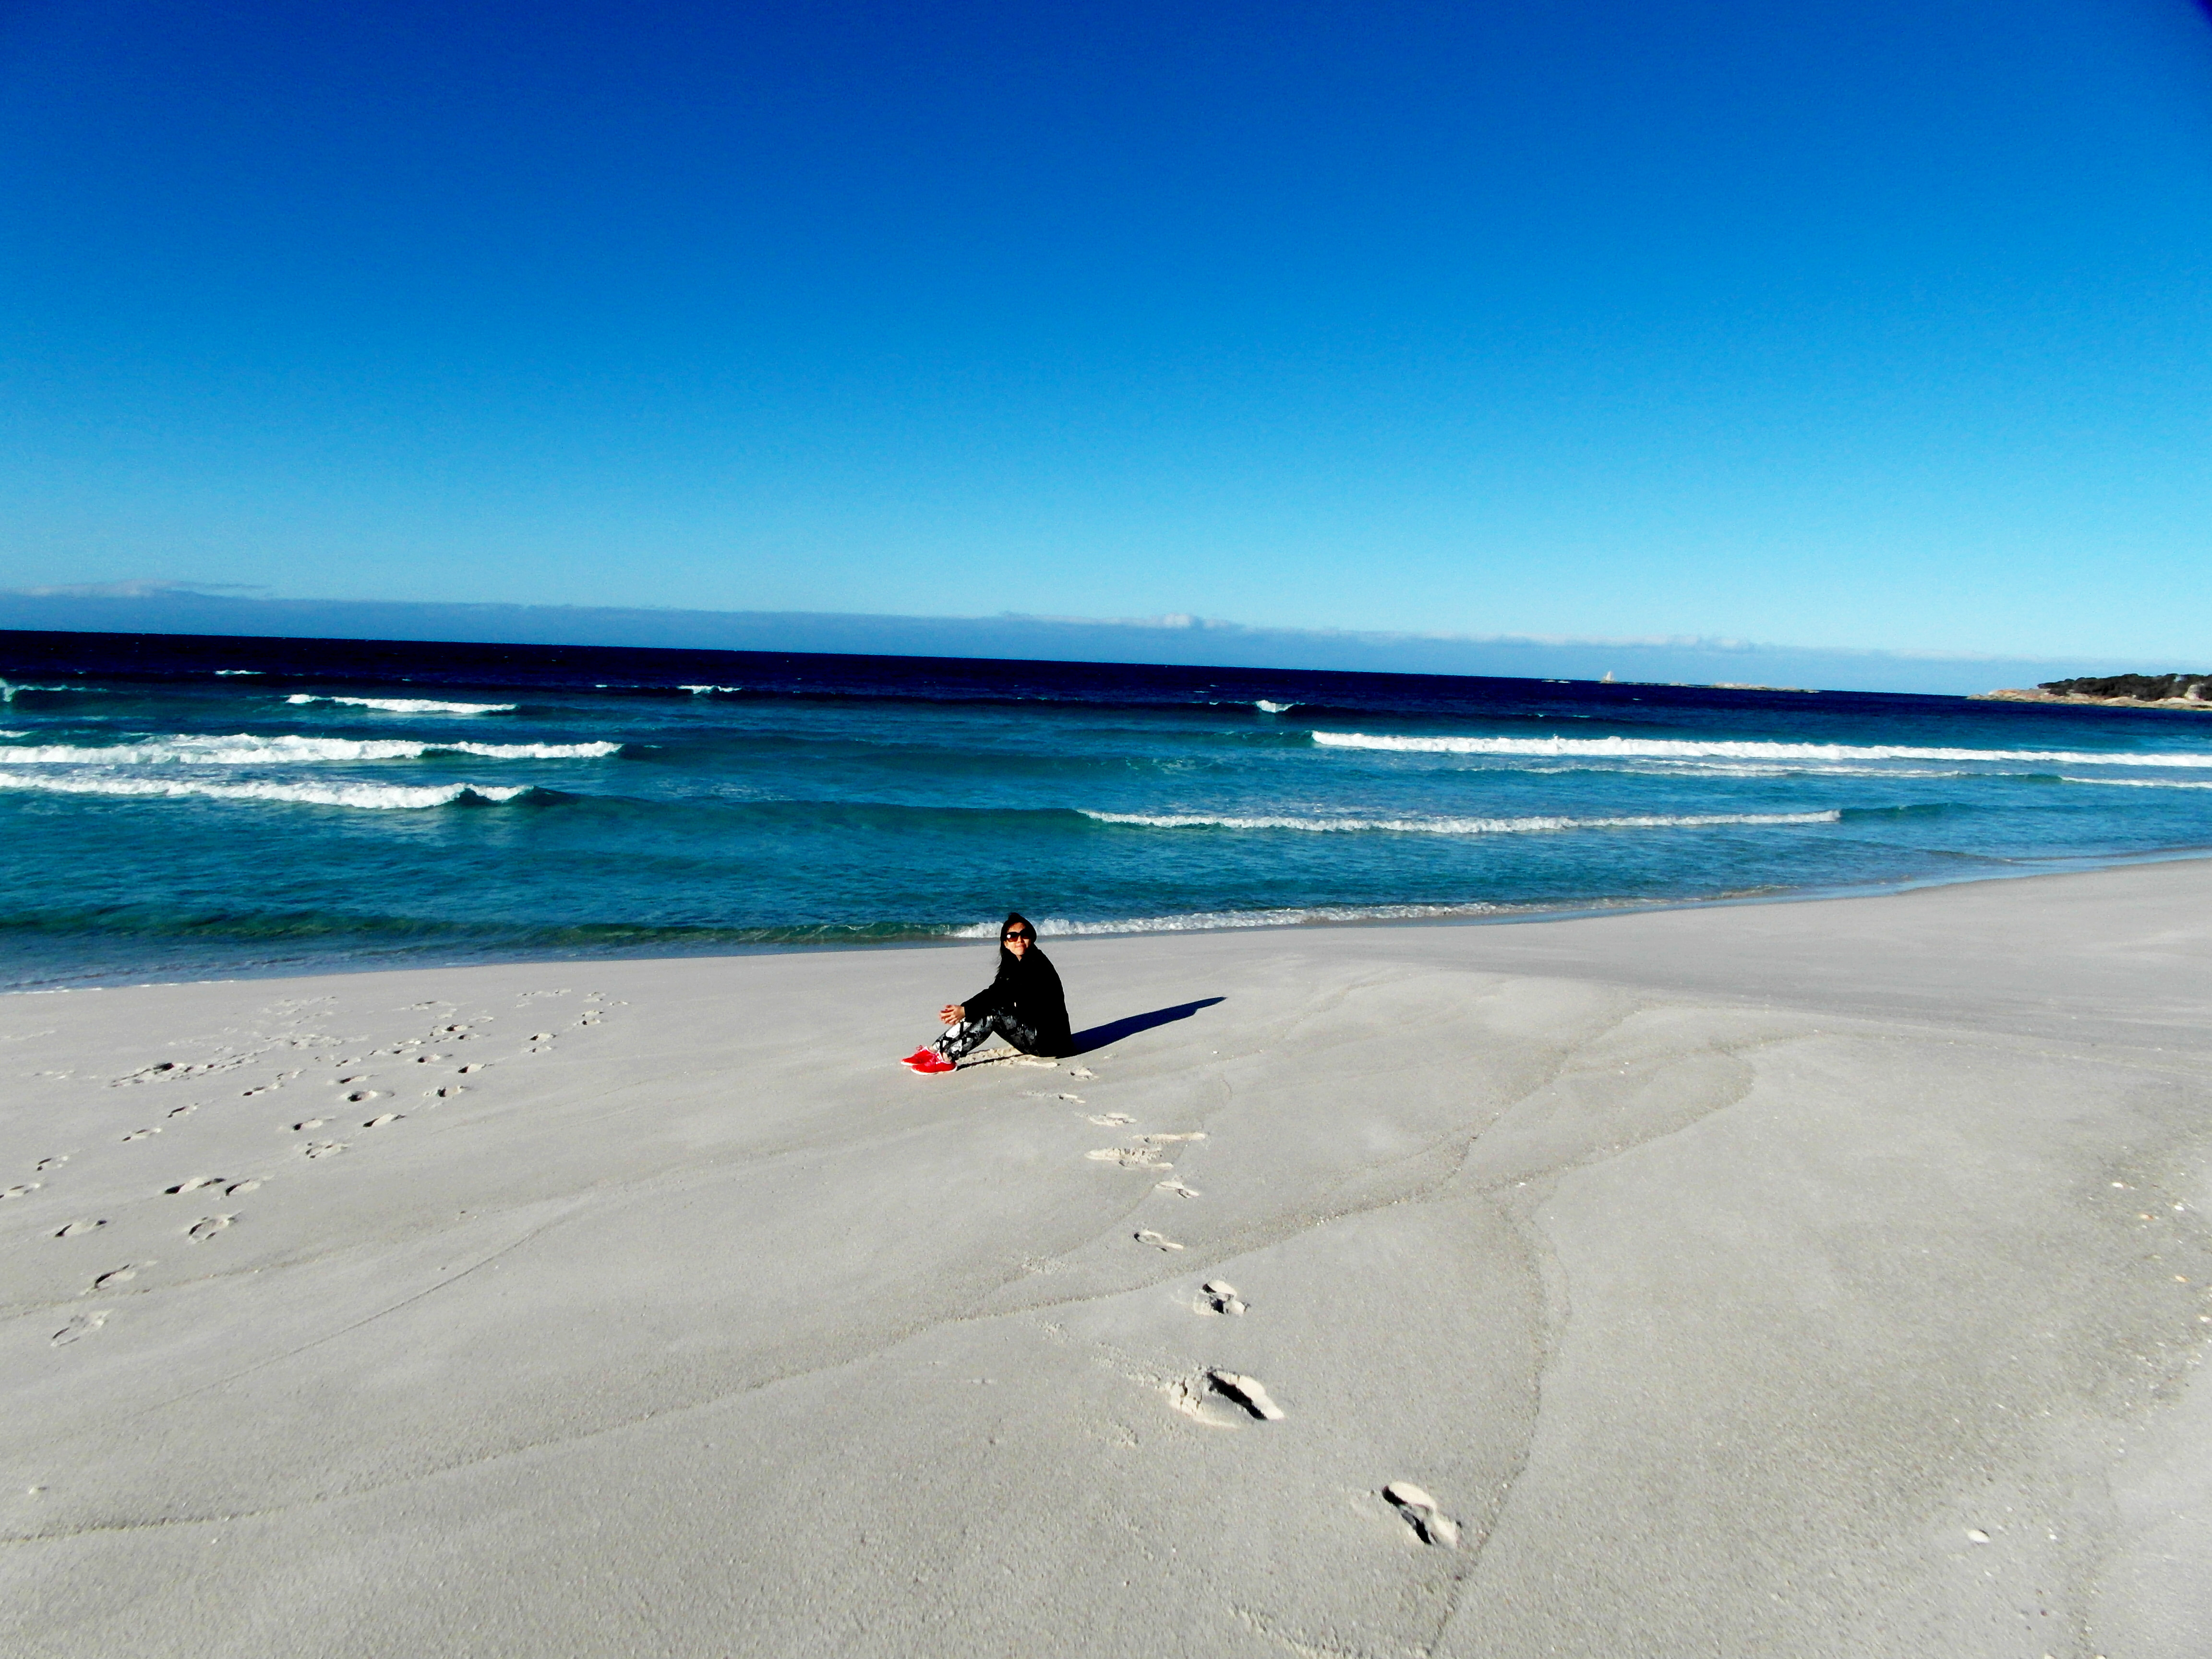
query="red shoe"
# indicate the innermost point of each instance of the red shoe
(930, 1064)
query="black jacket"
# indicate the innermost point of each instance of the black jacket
(1028, 989)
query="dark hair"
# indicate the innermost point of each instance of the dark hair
(1015, 919)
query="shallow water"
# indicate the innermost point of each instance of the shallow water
(185, 805)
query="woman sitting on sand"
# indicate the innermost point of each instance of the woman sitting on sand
(1023, 1005)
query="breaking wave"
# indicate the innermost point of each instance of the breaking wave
(374, 797)
(1455, 826)
(1675, 749)
(243, 749)
(8, 692)
(2139, 783)
(1207, 921)
(409, 705)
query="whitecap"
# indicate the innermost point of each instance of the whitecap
(1459, 826)
(376, 796)
(529, 750)
(1214, 921)
(243, 749)
(2139, 783)
(709, 690)
(1266, 707)
(1673, 749)
(409, 705)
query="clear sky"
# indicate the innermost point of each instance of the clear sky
(1871, 325)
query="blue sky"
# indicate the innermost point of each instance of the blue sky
(1870, 325)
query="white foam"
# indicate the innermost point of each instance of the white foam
(1671, 748)
(1459, 826)
(375, 797)
(1212, 921)
(243, 749)
(8, 691)
(708, 691)
(409, 705)
(232, 673)
(1266, 707)
(2139, 783)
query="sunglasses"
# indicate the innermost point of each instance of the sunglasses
(1019, 932)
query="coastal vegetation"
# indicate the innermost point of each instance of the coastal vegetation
(2121, 691)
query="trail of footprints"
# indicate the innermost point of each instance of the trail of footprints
(354, 1073)
(1217, 1297)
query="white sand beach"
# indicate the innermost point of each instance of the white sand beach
(1812, 1279)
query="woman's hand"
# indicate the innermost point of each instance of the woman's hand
(953, 1012)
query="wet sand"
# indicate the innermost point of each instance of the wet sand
(1817, 1279)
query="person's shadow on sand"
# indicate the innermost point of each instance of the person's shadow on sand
(1098, 1036)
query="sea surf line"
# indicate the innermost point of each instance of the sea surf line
(1668, 749)
(168, 806)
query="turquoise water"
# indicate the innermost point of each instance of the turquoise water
(187, 805)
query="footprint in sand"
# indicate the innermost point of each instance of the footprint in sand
(361, 1095)
(1177, 1188)
(206, 1227)
(1081, 1071)
(115, 1276)
(23, 1191)
(450, 1090)
(1158, 1241)
(140, 1135)
(82, 1325)
(195, 1184)
(1128, 1157)
(1169, 1140)
(168, 1068)
(473, 1066)
(1423, 1514)
(380, 1120)
(237, 1187)
(1219, 1296)
(183, 1111)
(307, 1123)
(1249, 1393)
(46, 1164)
(322, 1148)
(1110, 1119)
(80, 1226)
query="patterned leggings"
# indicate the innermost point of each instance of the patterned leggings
(969, 1035)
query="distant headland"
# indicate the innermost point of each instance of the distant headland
(2121, 691)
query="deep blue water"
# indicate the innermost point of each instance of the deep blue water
(175, 806)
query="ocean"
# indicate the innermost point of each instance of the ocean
(183, 807)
